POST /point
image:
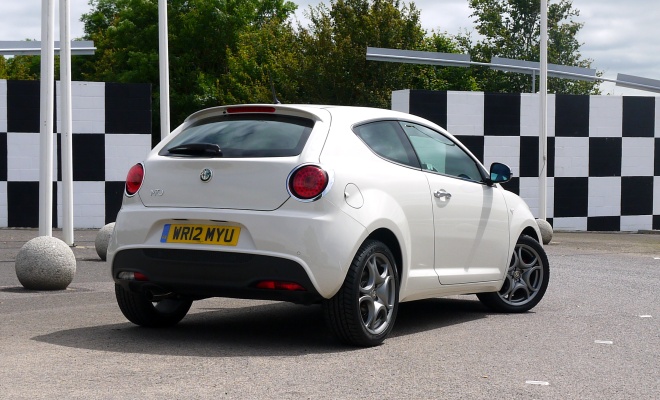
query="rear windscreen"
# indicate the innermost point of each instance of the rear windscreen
(251, 135)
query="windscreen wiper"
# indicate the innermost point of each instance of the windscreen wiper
(197, 149)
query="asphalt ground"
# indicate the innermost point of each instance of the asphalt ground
(595, 335)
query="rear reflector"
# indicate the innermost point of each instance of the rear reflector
(140, 276)
(279, 285)
(250, 109)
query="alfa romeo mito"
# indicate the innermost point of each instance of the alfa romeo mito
(356, 209)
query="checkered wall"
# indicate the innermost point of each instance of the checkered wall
(111, 132)
(603, 151)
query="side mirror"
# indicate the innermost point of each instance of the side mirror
(499, 173)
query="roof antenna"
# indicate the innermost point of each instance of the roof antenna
(272, 89)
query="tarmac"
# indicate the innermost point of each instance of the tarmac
(593, 336)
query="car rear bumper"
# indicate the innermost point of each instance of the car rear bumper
(200, 274)
(316, 240)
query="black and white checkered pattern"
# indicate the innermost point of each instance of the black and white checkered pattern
(603, 151)
(112, 131)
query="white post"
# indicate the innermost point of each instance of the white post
(66, 118)
(164, 69)
(543, 97)
(46, 118)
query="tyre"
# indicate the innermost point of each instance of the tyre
(363, 312)
(526, 279)
(138, 309)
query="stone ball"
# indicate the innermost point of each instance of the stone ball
(103, 239)
(546, 230)
(45, 263)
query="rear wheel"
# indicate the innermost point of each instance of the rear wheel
(526, 279)
(140, 310)
(362, 313)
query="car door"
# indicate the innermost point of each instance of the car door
(470, 218)
(401, 195)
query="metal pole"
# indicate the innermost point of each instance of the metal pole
(65, 116)
(46, 118)
(164, 69)
(543, 96)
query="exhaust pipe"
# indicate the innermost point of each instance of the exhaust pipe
(155, 293)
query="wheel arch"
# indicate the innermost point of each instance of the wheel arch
(530, 231)
(389, 239)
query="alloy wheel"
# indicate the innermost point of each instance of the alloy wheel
(524, 277)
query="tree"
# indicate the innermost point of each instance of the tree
(325, 62)
(443, 78)
(201, 32)
(22, 68)
(511, 29)
(265, 55)
(3, 67)
(335, 69)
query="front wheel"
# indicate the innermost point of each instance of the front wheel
(526, 279)
(362, 313)
(140, 310)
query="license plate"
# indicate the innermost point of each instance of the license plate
(201, 234)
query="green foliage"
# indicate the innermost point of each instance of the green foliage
(511, 29)
(325, 61)
(335, 70)
(267, 53)
(201, 32)
(441, 78)
(20, 68)
(3, 68)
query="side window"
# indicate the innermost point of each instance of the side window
(386, 139)
(437, 153)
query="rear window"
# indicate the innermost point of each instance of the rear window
(252, 135)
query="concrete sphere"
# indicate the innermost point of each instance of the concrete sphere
(102, 240)
(546, 230)
(45, 263)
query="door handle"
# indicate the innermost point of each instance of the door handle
(442, 193)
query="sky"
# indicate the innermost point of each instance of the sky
(619, 36)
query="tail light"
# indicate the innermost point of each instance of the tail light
(134, 179)
(132, 276)
(280, 285)
(308, 182)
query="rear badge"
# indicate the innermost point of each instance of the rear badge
(206, 175)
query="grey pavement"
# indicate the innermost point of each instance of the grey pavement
(595, 335)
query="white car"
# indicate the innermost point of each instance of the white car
(358, 209)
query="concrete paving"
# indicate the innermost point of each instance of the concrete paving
(596, 335)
